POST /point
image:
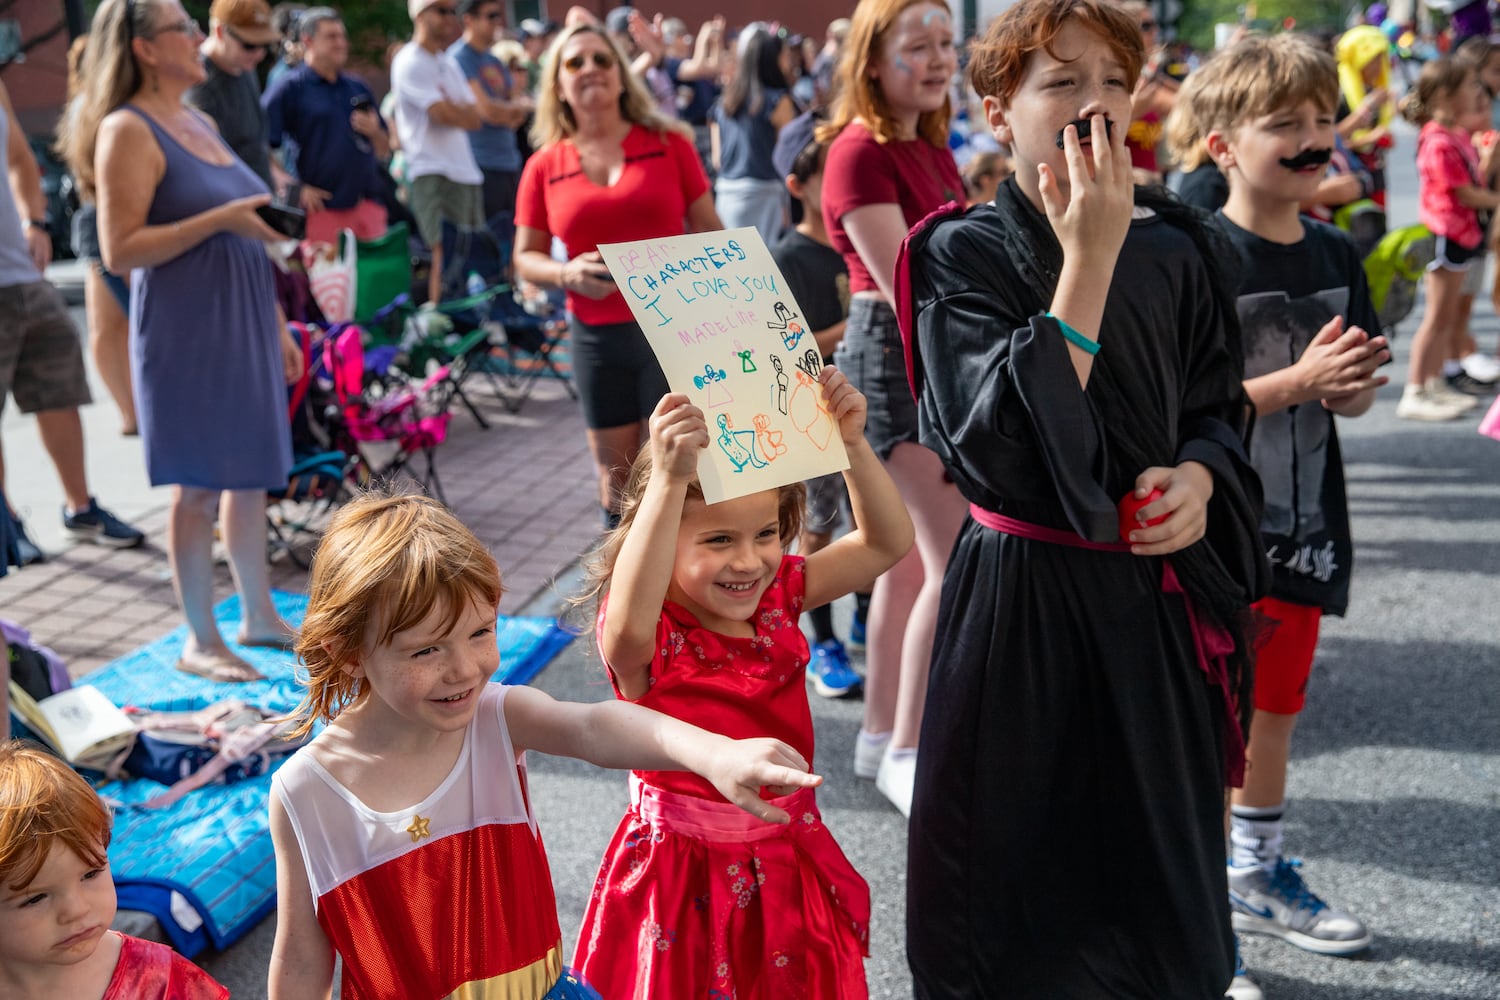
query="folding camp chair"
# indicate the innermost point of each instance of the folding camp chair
(530, 348)
(320, 470)
(520, 346)
(388, 416)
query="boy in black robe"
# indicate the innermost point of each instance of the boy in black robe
(1069, 345)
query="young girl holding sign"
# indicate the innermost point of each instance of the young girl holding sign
(1074, 343)
(698, 619)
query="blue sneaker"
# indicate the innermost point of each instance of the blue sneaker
(829, 669)
(857, 632)
(97, 525)
(26, 551)
(1280, 903)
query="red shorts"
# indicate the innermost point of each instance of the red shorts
(367, 219)
(1284, 655)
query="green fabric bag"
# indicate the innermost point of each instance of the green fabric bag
(382, 271)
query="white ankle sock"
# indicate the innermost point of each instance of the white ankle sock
(1255, 835)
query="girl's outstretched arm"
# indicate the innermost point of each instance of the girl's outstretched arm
(643, 569)
(883, 530)
(301, 958)
(621, 735)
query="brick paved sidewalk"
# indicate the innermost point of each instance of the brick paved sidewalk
(526, 487)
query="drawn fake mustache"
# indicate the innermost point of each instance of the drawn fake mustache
(1084, 126)
(1307, 158)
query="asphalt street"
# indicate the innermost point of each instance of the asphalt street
(1396, 765)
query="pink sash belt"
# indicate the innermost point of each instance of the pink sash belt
(1212, 644)
(705, 819)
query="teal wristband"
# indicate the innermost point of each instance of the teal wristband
(1075, 338)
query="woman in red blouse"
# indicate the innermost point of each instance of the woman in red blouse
(888, 168)
(609, 168)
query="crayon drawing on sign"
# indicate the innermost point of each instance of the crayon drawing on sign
(729, 336)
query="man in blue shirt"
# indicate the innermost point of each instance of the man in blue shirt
(503, 107)
(341, 140)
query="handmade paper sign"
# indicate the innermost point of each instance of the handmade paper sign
(729, 335)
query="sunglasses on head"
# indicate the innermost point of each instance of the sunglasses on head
(575, 64)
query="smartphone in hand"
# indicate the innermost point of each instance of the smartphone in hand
(287, 220)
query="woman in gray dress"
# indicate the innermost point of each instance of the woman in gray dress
(209, 350)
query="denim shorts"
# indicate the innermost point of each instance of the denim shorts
(827, 497)
(872, 357)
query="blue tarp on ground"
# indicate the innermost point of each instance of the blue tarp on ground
(204, 866)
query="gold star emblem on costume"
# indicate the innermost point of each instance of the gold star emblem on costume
(418, 828)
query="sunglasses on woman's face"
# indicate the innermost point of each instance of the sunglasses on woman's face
(602, 60)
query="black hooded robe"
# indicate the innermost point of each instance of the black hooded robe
(1066, 837)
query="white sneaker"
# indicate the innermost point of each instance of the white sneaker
(869, 751)
(1482, 367)
(1438, 387)
(1418, 404)
(1242, 987)
(896, 779)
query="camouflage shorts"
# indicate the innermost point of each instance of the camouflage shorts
(41, 358)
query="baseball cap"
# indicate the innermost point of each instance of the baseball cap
(250, 19)
(415, 7)
(534, 28)
(795, 136)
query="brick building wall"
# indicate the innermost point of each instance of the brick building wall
(806, 17)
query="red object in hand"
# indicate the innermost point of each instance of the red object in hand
(1129, 506)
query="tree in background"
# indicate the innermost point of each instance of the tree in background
(1196, 25)
(371, 25)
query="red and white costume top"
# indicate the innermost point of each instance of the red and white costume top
(452, 894)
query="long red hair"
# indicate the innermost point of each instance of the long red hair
(858, 95)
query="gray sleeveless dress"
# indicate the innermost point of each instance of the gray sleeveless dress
(205, 348)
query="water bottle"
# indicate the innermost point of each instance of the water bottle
(475, 284)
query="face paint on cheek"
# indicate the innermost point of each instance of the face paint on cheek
(1085, 127)
(900, 63)
(1306, 158)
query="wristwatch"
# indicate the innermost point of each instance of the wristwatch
(37, 224)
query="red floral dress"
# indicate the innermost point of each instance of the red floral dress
(697, 898)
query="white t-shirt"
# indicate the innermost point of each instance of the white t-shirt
(420, 79)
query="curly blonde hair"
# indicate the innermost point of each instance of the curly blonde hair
(554, 118)
(385, 563)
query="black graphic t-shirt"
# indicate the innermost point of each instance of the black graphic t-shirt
(817, 278)
(1287, 293)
